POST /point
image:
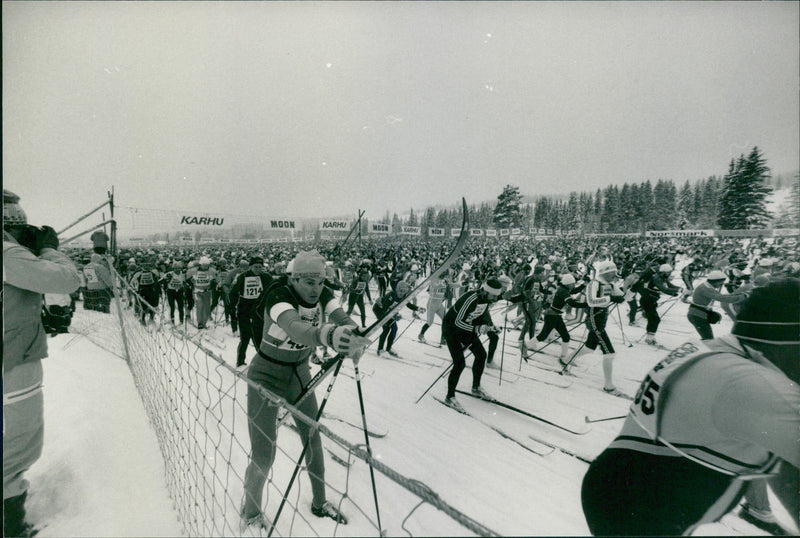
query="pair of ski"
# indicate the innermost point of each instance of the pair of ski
(538, 451)
(539, 440)
(566, 372)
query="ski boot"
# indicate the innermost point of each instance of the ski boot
(455, 404)
(329, 510)
(482, 394)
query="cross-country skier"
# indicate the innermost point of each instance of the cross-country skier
(463, 326)
(176, 282)
(710, 417)
(357, 289)
(300, 314)
(247, 297)
(382, 306)
(601, 292)
(553, 313)
(146, 283)
(202, 278)
(700, 314)
(651, 283)
(233, 274)
(531, 300)
(437, 289)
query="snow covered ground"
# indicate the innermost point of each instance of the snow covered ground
(102, 473)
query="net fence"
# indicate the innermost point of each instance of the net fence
(197, 405)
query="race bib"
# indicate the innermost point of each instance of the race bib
(146, 279)
(176, 283)
(91, 275)
(202, 280)
(252, 287)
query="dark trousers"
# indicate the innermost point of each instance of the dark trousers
(216, 295)
(553, 321)
(633, 306)
(457, 343)
(150, 298)
(357, 300)
(494, 338)
(387, 335)
(250, 328)
(175, 299)
(702, 326)
(650, 309)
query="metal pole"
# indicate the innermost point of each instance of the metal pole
(83, 217)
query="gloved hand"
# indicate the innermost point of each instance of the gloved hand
(420, 310)
(343, 340)
(483, 329)
(47, 238)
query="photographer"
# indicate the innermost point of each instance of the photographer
(31, 267)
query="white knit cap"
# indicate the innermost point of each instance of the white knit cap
(13, 215)
(309, 263)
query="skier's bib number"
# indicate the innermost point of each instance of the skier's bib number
(647, 396)
(91, 275)
(252, 287)
(202, 280)
(146, 279)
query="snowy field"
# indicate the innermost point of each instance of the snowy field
(102, 473)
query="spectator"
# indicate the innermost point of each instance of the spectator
(31, 267)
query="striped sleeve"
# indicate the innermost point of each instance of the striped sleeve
(464, 311)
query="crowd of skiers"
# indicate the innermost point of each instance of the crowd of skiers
(553, 283)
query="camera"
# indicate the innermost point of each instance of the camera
(36, 238)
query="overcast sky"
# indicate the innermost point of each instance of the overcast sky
(303, 109)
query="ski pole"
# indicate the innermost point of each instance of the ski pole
(369, 450)
(434, 382)
(535, 351)
(569, 362)
(503, 348)
(661, 314)
(590, 420)
(305, 449)
(621, 330)
(396, 338)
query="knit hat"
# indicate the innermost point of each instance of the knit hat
(13, 215)
(493, 287)
(402, 289)
(308, 263)
(761, 280)
(256, 260)
(771, 313)
(567, 279)
(716, 275)
(205, 260)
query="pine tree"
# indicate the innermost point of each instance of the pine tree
(508, 211)
(646, 205)
(744, 194)
(685, 206)
(441, 219)
(755, 177)
(412, 218)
